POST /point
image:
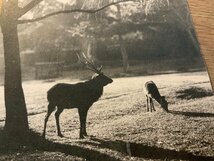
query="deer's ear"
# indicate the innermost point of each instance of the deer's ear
(100, 68)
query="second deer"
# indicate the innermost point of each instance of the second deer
(152, 92)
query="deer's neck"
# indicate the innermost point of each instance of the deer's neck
(158, 100)
(94, 86)
(95, 89)
(157, 96)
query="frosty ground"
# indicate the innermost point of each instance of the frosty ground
(122, 129)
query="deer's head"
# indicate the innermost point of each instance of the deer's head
(99, 77)
(164, 103)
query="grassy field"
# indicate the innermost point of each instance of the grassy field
(121, 128)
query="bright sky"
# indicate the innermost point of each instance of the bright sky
(67, 1)
(61, 1)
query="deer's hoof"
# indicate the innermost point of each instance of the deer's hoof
(85, 134)
(43, 136)
(60, 135)
(82, 137)
(166, 111)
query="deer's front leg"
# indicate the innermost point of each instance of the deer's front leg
(151, 104)
(82, 117)
(147, 103)
(84, 122)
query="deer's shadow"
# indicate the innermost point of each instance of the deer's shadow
(145, 151)
(192, 114)
(37, 142)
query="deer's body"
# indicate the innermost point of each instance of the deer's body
(152, 92)
(80, 95)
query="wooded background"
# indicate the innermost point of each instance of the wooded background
(203, 18)
(57, 44)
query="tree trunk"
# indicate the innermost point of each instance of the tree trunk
(91, 49)
(16, 122)
(124, 55)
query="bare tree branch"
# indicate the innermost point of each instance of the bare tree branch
(90, 11)
(28, 7)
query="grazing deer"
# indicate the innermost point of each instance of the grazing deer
(152, 92)
(81, 96)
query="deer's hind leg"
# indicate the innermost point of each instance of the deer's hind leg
(57, 114)
(51, 108)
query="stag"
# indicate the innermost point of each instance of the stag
(152, 92)
(80, 95)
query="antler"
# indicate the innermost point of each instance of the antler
(89, 64)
